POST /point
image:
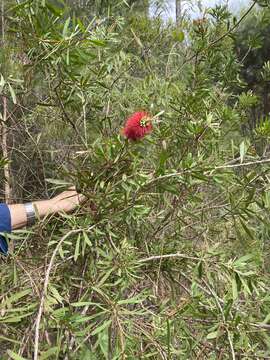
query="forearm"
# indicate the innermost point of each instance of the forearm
(64, 202)
(18, 212)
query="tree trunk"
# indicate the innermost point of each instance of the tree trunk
(178, 11)
(3, 125)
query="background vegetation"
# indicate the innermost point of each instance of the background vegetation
(168, 258)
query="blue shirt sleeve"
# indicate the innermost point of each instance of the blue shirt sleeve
(5, 227)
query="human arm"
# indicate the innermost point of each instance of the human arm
(15, 217)
(66, 202)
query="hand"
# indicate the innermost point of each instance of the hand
(67, 201)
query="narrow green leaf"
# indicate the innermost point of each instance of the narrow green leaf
(212, 335)
(77, 248)
(243, 259)
(101, 327)
(45, 355)
(10, 340)
(2, 82)
(13, 298)
(54, 9)
(65, 28)
(86, 239)
(12, 93)
(98, 42)
(267, 319)
(134, 300)
(15, 356)
(242, 150)
(247, 230)
(234, 289)
(57, 182)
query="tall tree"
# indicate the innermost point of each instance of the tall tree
(178, 10)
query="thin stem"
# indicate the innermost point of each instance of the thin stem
(3, 128)
(166, 256)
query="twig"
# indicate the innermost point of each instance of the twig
(207, 172)
(66, 116)
(231, 345)
(261, 326)
(8, 195)
(176, 255)
(249, 163)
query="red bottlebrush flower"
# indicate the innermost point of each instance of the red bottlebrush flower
(138, 125)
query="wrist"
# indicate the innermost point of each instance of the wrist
(30, 212)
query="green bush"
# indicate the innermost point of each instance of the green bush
(168, 257)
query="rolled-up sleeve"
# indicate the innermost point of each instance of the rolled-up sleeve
(5, 227)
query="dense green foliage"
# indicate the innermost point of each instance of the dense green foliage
(168, 258)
